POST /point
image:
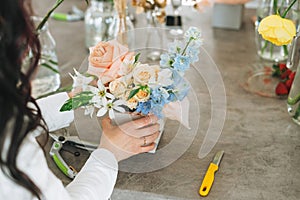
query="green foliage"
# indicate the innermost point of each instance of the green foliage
(81, 99)
(133, 93)
(136, 57)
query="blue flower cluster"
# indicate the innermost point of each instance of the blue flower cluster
(180, 55)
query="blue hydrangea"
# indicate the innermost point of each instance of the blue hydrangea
(181, 63)
(165, 60)
(192, 53)
(144, 107)
(176, 47)
(159, 96)
(180, 86)
(194, 33)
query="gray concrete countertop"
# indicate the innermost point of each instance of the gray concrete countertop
(261, 143)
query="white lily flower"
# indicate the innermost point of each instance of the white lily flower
(110, 106)
(100, 92)
(80, 80)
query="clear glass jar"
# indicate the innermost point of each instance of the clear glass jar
(47, 77)
(121, 29)
(154, 39)
(265, 49)
(98, 18)
(293, 101)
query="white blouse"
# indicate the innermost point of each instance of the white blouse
(96, 179)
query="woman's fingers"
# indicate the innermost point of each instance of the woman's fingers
(148, 148)
(138, 133)
(139, 123)
(146, 140)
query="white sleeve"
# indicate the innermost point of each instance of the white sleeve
(97, 178)
(50, 107)
(95, 181)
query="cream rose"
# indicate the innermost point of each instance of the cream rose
(142, 95)
(105, 60)
(144, 74)
(132, 103)
(118, 87)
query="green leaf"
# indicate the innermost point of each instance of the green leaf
(79, 100)
(136, 57)
(276, 71)
(288, 9)
(133, 92)
(45, 19)
(49, 67)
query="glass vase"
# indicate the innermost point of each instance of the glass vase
(154, 39)
(265, 49)
(293, 101)
(121, 27)
(47, 77)
(98, 18)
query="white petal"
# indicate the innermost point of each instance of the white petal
(73, 77)
(104, 102)
(100, 85)
(119, 102)
(111, 114)
(76, 72)
(109, 95)
(120, 109)
(101, 112)
(92, 89)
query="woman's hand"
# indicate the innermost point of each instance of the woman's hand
(131, 138)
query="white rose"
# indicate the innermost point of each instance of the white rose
(117, 87)
(144, 74)
(165, 77)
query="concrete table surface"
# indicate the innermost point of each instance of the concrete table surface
(261, 143)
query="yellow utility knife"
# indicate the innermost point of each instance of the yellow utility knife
(210, 174)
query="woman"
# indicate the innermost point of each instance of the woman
(24, 172)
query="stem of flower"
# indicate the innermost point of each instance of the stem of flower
(285, 49)
(45, 19)
(264, 47)
(271, 50)
(287, 10)
(187, 44)
(275, 6)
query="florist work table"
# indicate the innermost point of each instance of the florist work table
(261, 143)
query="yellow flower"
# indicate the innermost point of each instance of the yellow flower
(277, 30)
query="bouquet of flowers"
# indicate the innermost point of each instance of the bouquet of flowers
(126, 85)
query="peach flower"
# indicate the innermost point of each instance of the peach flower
(106, 58)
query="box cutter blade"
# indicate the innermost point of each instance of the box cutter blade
(210, 174)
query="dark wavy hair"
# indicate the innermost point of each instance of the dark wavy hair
(19, 113)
